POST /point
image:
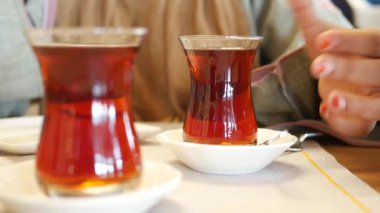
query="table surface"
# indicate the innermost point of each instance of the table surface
(361, 161)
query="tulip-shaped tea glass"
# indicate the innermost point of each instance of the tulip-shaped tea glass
(88, 144)
(220, 109)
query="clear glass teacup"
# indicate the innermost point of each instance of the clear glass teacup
(220, 110)
(88, 144)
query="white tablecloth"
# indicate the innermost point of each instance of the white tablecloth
(308, 181)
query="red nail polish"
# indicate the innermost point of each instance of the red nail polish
(338, 102)
(335, 102)
(323, 110)
(326, 43)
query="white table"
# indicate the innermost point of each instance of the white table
(308, 181)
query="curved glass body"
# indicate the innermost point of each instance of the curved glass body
(220, 110)
(88, 143)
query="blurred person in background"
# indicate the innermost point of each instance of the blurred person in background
(161, 81)
(19, 71)
(366, 13)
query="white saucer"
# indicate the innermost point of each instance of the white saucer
(145, 131)
(21, 135)
(222, 159)
(19, 192)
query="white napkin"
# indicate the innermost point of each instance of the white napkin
(309, 181)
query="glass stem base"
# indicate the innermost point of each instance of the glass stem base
(53, 190)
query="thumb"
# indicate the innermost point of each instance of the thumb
(315, 17)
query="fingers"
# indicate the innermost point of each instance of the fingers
(351, 114)
(353, 105)
(310, 21)
(303, 10)
(364, 71)
(346, 125)
(355, 42)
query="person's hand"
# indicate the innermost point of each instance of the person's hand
(311, 25)
(350, 58)
(347, 64)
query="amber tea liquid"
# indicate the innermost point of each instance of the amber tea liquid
(88, 138)
(220, 109)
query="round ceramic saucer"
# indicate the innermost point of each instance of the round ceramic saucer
(19, 192)
(21, 135)
(228, 159)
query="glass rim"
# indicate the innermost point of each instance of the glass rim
(89, 36)
(91, 29)
(220, 37)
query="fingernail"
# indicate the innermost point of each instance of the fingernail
(327, 43)
(323, 111)
(323, 67)
(338, 102)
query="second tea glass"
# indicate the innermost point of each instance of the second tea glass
(220, 109)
